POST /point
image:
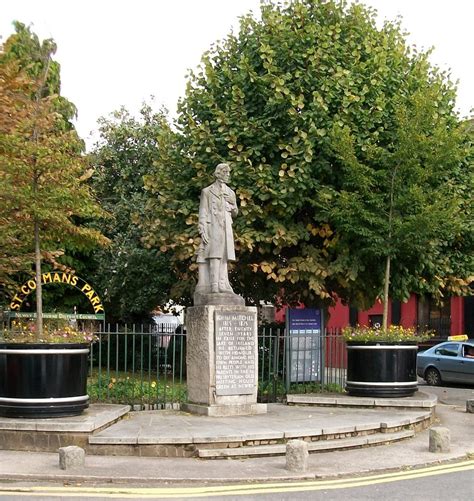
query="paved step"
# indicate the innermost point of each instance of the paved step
(179, 434)
(317, 446)
(104, 429)
(420, 400)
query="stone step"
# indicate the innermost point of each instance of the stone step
(317, 446)
(420, 400)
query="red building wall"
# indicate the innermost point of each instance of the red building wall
(409, 315)
(339, 314)
(457, 315)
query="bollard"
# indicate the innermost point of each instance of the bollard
(296, 455)
(439, 439)
(470, 405)
(71, 457)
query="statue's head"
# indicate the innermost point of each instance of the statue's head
(222, 172)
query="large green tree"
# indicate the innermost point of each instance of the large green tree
(135, 279)
(316, 109)
(43, 172)
(25, 49)
(404, 211)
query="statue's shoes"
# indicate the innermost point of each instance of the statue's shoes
(225, 288)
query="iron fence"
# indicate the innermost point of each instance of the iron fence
(146, 366)
(143, 366)
(441, 326)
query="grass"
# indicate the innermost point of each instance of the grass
(145, 388)
(276, 390)
(135, 389)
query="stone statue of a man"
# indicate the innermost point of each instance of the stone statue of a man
(217, 207)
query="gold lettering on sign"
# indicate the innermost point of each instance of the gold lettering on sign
(46, 278)
(59, 278)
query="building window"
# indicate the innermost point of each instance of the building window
(375, 321)
(433, 316)
(353, 316)
(396, 312)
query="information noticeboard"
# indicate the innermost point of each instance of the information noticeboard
(305, 327)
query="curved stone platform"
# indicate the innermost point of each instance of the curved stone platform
(403, 456)
(174, 433)
(177, 434)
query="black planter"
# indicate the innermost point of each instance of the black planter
(43, 380)
(381, 370)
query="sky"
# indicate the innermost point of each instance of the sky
(117, 53)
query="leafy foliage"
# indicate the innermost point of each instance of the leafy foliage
(14, 255)
(406, 203)
(135, 279)
(42, 170)
(26, 50)
(315, 108)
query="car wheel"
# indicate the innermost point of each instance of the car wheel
(432, 377)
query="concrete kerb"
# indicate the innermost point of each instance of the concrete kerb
(272, 473)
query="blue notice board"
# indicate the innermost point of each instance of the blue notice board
(305, 327)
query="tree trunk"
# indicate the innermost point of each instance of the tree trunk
(34, 138)
(39, 290)
(386, 286)
(386, 281)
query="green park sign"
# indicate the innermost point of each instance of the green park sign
(56, 316)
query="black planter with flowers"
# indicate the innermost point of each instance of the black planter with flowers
(43, 380)
(44, 376)
(382, 362)
(381, 369)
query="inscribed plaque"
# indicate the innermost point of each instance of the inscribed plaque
(235, 346)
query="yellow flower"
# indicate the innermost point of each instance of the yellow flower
(153, 384)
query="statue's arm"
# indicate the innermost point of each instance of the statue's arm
(235, 209)
(203, 215)
(232, 203)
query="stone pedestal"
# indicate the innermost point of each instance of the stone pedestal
(222, 360)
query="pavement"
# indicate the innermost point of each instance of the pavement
(147, 471)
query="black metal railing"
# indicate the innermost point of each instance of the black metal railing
(146, 367)
(143, 366)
